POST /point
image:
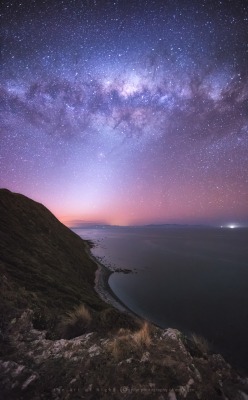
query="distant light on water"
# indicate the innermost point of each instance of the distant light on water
(230, 226)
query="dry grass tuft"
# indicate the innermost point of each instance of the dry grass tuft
(201, 343)
(76, 323)
(127, 344)
(115, 348)
(122, 347)
(143, 336)
(124, 332)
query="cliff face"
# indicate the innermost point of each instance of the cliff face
(46, 272)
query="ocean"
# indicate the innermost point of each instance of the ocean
(194, 279)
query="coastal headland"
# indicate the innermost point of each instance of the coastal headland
(64, 335)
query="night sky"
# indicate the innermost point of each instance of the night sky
(127, 112)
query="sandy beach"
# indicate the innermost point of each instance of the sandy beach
(101, 283)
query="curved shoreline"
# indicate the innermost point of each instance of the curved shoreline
(102, 287)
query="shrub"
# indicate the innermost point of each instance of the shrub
(127, 343)
(142, 337)
(122, 347)
(76, 323)
(200, 343)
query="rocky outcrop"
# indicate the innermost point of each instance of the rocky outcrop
(162, 365)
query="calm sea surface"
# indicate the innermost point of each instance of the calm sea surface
(193, 279)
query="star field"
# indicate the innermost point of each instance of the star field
(127, 112)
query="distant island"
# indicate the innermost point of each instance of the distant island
(96, 225)
(60, 340)
(93, 225)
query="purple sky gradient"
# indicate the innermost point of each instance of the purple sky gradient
(128, 112)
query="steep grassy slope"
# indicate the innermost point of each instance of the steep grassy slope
(44, 265)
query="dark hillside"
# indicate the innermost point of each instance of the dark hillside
(43, 264)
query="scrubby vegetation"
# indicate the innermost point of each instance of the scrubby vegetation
(43, 264)
(142, 337)
(46, 267)
(127, 343)
(76, 323)
(201, 343)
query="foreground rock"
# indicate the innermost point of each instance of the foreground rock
(148, 363)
